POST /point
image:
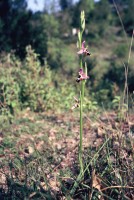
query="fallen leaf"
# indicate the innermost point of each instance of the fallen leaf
(96, 183)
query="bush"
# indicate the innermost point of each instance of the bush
(121, 51)
(30, 84)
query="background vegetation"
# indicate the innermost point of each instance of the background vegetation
(38, 69)
(30, 40)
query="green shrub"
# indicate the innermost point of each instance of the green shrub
(121, 51)
(29, 84)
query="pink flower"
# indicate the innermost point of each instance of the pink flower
(82, 76)
(83, 50)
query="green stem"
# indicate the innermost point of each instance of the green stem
(81, 124)
(82, 90)
(81, 119)
(81, 132)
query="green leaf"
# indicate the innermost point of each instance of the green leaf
(13, 104)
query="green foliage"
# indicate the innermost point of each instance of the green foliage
(129, 17)
(104, 13)
(50, 25)
(120, 107)
(102, 96)
(126, 8)
(30, 84)
(91, 105)
(55, 47)
(116, 102)
(64, 4)
(121, 51)
(38, 38)
(44, 32)
(15, 25)
(9, 89)
(87, 6)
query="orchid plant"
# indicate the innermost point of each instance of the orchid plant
(81, 79)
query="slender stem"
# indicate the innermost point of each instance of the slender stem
(81, 94)
(81, 64)
(81, 131)
(82, 90)
(81, 119)
(83, 82)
